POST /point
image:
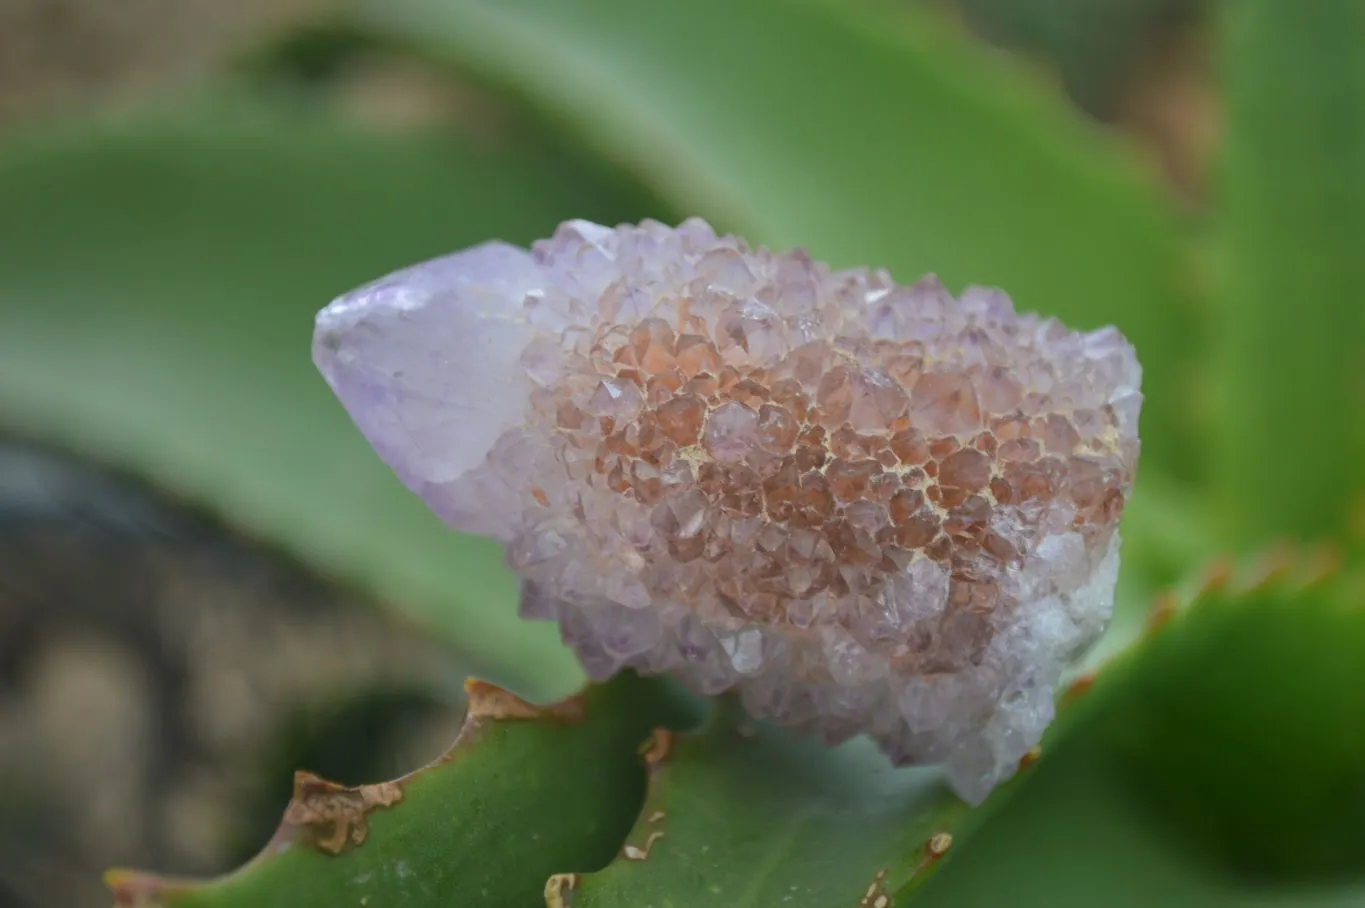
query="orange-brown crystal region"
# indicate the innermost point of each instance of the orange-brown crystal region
(816, 479)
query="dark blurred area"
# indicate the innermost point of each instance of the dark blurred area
(1141, 66)
(160, 677)
(160, 680)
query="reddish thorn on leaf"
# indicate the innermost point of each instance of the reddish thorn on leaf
(1324, 562)
(1272, 567)
(1163, 610)
(657, 749)
(1217, 575)
(1078, 688)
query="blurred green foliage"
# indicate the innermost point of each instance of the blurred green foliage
(159, 270)
(1290, 233)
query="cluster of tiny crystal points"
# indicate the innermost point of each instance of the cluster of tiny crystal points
(866, 507)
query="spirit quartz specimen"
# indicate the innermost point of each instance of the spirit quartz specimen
(868, 508)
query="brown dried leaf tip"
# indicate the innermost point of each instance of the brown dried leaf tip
(488, 701)
(332, 817)
(657, 749)
(559, 890)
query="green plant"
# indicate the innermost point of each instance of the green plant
(159, 276)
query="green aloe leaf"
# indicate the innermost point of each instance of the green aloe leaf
(884, 143)
(1161, 783)
(160, 277)
(744, 814)
(524, 790)
(1291, 224)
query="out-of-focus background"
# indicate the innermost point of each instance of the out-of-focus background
(161, 672)
(1139, 66)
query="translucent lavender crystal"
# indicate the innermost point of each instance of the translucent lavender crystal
(868, 508)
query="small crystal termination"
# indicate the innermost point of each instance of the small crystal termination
(868, 508)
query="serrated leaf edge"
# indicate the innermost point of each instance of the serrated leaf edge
(332, 818)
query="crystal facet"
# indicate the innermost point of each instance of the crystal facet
(865, 507)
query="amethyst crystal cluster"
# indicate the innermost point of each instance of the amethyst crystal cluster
(868, 508)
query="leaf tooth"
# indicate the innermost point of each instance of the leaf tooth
(488, 701)
(1283, 567)
(657, 749)
(1164, 608)
(1078, 688)
(938, 845)
(1323, 563)
(1217, 575)
(559, 889)
(933, 851)
(1269, 569)
(633, 852)
(332, 817)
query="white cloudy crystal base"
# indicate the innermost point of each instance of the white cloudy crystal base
(979, 721)
(866, 508)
